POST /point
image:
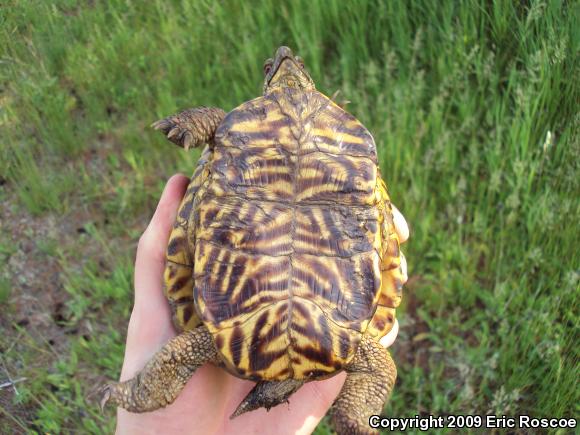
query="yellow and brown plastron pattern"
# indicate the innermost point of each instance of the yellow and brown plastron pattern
(178, 276)
(292, 251)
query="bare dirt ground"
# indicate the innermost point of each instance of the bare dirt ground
(36, 330)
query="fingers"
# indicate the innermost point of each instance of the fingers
(404, 268)
(400, 225)
(402, 230)
(390, 338)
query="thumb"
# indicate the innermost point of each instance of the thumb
(150, 260)
(150, 324)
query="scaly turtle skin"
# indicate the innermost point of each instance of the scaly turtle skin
(283, 265)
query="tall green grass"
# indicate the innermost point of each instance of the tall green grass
(474, 108)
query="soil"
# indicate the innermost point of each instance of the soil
(34, 316)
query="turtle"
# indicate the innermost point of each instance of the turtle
(283, 265)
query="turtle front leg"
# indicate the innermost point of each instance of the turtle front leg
(369, 382)
(165, 375)
(192, 127)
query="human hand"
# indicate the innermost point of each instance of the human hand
(212, 394)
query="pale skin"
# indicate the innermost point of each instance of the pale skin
(211, 395)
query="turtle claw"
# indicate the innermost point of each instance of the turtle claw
(105, 393)
(175, 132)
(162, 124)
(102, 395)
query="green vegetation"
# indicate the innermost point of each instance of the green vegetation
(474, 107)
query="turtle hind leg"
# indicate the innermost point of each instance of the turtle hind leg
(369, 382)
(165, 375)
(192, 127)
(267, 395)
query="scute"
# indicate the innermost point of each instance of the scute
(288, 259)
(178, 276)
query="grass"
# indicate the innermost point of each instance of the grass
(473, 105)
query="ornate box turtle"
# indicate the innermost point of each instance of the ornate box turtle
(283, 265)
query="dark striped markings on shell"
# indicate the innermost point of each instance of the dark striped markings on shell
(287, 267)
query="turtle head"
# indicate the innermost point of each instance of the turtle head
(286, 71)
